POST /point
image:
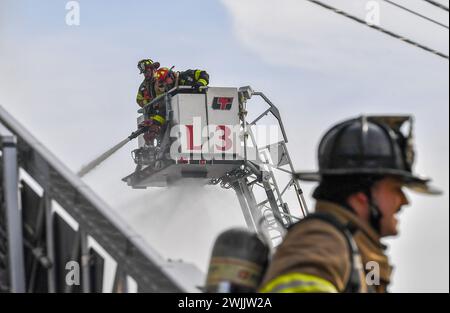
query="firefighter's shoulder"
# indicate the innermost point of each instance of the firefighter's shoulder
(313, 257)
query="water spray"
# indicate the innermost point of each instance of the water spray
(104, 156)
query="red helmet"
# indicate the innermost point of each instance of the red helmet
(162, 74)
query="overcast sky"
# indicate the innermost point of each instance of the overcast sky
(74, 88)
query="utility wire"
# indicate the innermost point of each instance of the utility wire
(437, 4)
(415, 13)
(383, 30)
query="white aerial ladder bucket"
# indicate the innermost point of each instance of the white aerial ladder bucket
(207, 138)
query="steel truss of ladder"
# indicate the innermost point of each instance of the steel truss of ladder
(271, 215)
(39, 248)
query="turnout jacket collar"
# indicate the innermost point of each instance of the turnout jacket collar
(366, 238)
(345, 217)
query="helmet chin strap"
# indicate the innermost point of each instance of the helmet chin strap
(375, 213)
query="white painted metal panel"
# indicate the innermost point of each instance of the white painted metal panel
(190, 118)
(223, 119)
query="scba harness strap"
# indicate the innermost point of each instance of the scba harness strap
(356, 268)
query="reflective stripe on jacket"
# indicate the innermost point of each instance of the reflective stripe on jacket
(189, 77)
(298, 282)
(319, 250)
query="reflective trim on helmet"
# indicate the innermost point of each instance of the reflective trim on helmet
(298, 282)
(162, 74)
(142, 64)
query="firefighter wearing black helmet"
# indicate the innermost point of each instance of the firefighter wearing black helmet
(145, 92)
(363, 165)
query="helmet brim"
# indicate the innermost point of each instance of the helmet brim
(424, 188)
(413, 182)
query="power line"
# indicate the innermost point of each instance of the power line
(383, 30)
(437, 4)
(416, 13)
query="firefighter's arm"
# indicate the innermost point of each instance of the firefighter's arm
(312, 258)
(201, 77)
(141, 98)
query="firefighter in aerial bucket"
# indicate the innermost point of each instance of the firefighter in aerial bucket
(156, 82)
